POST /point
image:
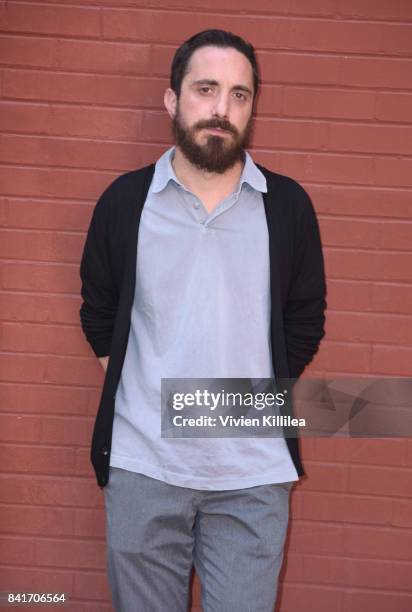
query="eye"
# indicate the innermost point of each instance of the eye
(205, 89)
(239, 95)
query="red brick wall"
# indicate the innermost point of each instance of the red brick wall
(81, 101)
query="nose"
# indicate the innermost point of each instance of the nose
(221, 107)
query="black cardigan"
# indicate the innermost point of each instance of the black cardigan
(108, 274)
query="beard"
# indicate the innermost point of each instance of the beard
(219, 153)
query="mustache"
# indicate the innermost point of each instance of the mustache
(223, 124)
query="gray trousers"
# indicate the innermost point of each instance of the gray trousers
(155, 532)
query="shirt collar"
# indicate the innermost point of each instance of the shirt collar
(164, 173)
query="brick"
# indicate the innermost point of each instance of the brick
(82, 371)
(19, 428)
(390, 360)
(32, 213)
(393, 106)
(364, 201)
(304, 135)
(156, 126)
(343, 357)
(40, 308)
(173, 27)
(17, 549)
(339, 508)
(270, 101)
(377, 542)
(41, 277)
(55, 182)
(390, 481)
(38, 460)
(364, 265)
(79, 88)
(366, 37)
(89, 523)
(379, 601)
(91, 585)
(325, 477)
(66, 430)
(356, 450)
(51, 339)
(49, 399)
(316, 537)
(50, 491)
(311, 598)
(292, 569)
(402, 516)
(295, 503)
(409, 452)
(361, 9)
(369, 327)
(63, 120)
(329, 168)
(349, 295)
(83, 465)
(22, 368)
(70, 153)
(361, 233)
(346, 137)
(43, 19)
(24, 117)
(117, 124)
(195, 586)
(61, 152)
(327, 103)
(70, 553)
(309, 448)
(389, 73)
(34, 580)
(378, 451)
(28, 51)
(52, 369)
(282, 66)
(41, 245)
(397, 234)
(106, 57)
(33, 521)
(368, 573)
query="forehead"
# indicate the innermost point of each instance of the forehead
(220, 64)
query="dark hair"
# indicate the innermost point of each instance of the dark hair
(210, 38)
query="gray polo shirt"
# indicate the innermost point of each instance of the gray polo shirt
(201, 310)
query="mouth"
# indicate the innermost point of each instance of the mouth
(219, 131)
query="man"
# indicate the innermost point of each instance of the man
(203, 265)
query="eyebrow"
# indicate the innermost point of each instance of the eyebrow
(213, 82)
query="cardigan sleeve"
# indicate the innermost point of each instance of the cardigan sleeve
(306, 303)
(98, 289)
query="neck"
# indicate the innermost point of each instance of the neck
(198, 180)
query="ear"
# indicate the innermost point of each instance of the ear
(170, 102)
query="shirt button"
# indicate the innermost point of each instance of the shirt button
(196, 205)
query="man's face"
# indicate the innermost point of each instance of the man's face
(213, 115)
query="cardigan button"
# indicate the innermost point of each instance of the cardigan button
(105, 451)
